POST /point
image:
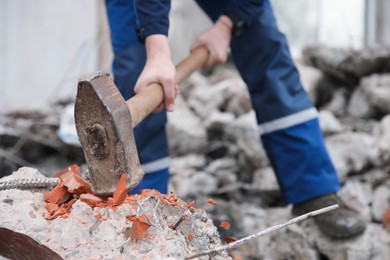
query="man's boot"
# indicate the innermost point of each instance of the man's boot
(342, 222)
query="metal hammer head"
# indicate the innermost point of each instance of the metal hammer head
(103, 123)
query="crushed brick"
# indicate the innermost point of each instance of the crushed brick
(90, 199)
(99, 216)
(225, 225)
(229, 239)
(191, 204)
(57, 194)
(51, 207)
(137, 230)
(212, 202)
(72, 185)
(75, 183)
(120, 193)
(386, 219)
(73, 168)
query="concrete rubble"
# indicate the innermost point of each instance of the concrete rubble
(217, 153)
(139, 227)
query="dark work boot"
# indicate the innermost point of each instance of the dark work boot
(342, 222)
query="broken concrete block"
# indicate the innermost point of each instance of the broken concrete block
(186, 133)
(351, 152)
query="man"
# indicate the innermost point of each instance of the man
(288, 123)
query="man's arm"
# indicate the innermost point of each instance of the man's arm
(153, 17)
(235, 17)
(153, 28)
(217, 40)
(242, 12)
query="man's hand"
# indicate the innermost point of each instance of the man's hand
(217, 40)
(159, 69)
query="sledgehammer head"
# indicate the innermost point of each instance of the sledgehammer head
(103, 123)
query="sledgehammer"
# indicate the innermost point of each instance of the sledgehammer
(105, 123)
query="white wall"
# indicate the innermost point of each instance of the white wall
(45, 45)
(338, 23)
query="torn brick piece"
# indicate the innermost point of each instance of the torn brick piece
(90, 199)
(73, 168)
(225, 225)
(212, 202)
(137, 230)
(120, 193)
(75, 183)
(99, 216)
(145, 219)
(131, 217)
(59, 212)
(57, 195)
(51, 207)
(190, 205)
(229, 239)
(190, 236)
(386, 219)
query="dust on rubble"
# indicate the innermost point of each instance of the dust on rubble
(75, 223)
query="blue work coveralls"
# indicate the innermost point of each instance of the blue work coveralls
(287, 121)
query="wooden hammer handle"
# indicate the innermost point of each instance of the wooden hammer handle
(146, 101)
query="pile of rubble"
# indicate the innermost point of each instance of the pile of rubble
(76, 224)
(217, 153)
(29, 138)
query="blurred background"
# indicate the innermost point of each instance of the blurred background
(46, 45)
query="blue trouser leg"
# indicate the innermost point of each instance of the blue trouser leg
(129, 60)
(287, 121)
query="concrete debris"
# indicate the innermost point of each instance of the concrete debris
(373, 244)
(137, 228)
(359, 106)
(384, 138)
(376, 89)
(186, 126)
(329, 123)
(352, 152)
(380, 202)
(29, 138)
(348, 65)
(310, 78)
(219, 162)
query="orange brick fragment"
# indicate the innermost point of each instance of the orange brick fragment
(59, 212)
(225, 225)
(56, 195)
(137, 230)
(190, 236)
(131, 217)
(191, 204)
(99, 216)
(230, 239)
(51, 207)
(90, 199)
(212, 202)
(147, 193)
(120, 191)
(386, 219)
(145, 219)
(73, 168)
(75, 183)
